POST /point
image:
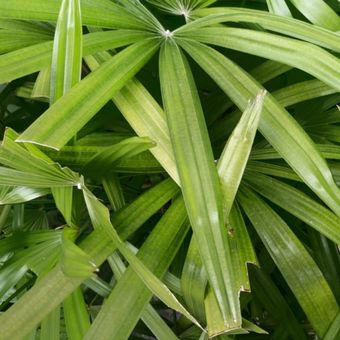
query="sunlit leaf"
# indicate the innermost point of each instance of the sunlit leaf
(128, 298)
(74, 261)
(50, 327)
(76, 315)
(198, 175)
(20, 194)
(88, 96)
(292, 143)
(67, 49)
(100, 219)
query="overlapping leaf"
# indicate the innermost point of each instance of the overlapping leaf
(88, 96)
(35, 171)
(292, 143)
(299, 266)
(42, 298)
(303, 276)
(198, 175)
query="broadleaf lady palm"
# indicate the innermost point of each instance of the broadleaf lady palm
(137, 121)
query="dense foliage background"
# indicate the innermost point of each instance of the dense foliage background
(169, 169)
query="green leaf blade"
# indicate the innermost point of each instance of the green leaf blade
(235, 155)
(107, 14)
(67, 50)
(99, 215)
(65, 118)
(198, 175)
(105, 161)
(276, 124)
(145, 116)
(52, 289)
(298, 204)
(297, 266)
(319, 13)
(76, 315)
(130, 296)
(279, 7)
